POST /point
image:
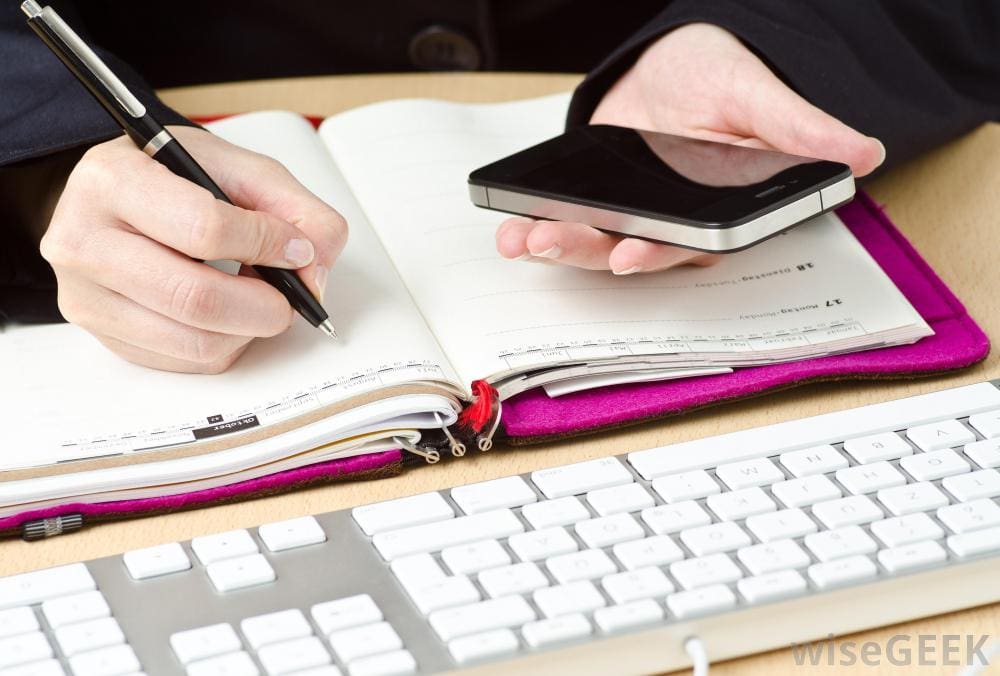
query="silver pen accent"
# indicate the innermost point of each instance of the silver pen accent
(326, 327)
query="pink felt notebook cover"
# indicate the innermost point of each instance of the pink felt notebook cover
(532, 416)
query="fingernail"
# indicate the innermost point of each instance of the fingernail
(552, 252)
(630, 271)
(299, 252)
(321, 274)
(881, 147)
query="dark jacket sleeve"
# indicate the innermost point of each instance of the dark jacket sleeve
(46, 119)
(913, 73)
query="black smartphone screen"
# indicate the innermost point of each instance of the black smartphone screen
(660, 175)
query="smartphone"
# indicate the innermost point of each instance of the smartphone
(695, 194)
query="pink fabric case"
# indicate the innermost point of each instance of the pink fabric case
(532, 416)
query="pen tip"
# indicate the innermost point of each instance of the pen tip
(327, 327)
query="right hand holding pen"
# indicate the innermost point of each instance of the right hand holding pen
(125, 233)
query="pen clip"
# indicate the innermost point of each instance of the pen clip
(48, 16)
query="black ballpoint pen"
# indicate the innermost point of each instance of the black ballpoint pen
(153, 139)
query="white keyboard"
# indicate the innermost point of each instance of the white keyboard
(750, 541)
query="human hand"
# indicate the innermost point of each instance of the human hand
(699, 81)
(125, 231)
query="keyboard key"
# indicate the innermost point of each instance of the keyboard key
(904, 530)
(370, 639)
(119, 659)
(842, 571)
(749, 473)
(396, 663)
(643, 583)
(565, 599)
(916, 497)
(705, 571)
(24, 648)
(787, 523)
(293, 656)
(628, 616)
(232, 664)
(987, 424)
(481, 646)
(559, 512)
(511, 491)
(430, 537)
(197, 644)
(556, 630)
(246, 571)
(773, 556)
(347, 612)
(876, 447)
(841, 543)
(984, 483)
(581, 477)
(443, 593)
(986, 454)
(815, 460)
(605, 531)
(541, 544)
(50, 667)
(977, 542)
(585, 565)
(500, 613)
(863, 479)
(283, 625)
(619, 499)
(970, 516)
(402, 513)
(718, 537)
(76, 608)
(520, 578)
(945, 434)
(776, 585)
(658, 550)
(86, 636)
(692, 485)
(850, 511)
(805, 491)
(40, 585)
(912, 556)
(934, 465)
(155, 561)
(666, 519)
(17, 621)
(222, 546)
(291, 534)
(415, 570)
(474, 557)
(704, 601)
(740, 504)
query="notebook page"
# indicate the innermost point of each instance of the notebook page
(71, 390)
(811, 290)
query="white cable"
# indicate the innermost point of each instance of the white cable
(699, 658)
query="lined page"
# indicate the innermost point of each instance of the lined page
(65, 388)
(809, 291)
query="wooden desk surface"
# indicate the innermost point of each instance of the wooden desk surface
(947, 203)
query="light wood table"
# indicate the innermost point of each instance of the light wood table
(947, 203)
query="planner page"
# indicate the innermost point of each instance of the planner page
(810, 291)
(72, 399)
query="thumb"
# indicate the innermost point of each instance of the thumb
(788, 123)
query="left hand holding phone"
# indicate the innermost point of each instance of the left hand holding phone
(698, 81)
(126, 230)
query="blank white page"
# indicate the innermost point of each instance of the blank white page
(408, 164)
(62, 386)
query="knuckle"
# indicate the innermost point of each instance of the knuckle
(191, 300)
(205, 227)
(58, 246)
(204, 347)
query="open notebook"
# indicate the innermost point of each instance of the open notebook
(424, 306)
